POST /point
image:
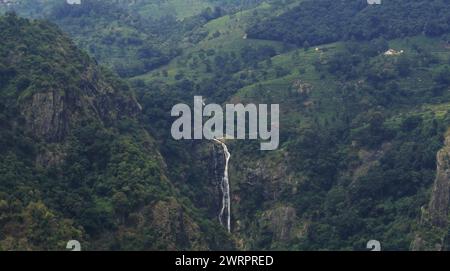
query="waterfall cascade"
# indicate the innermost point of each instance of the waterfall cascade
(225, 187)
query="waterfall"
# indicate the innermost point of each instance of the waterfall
(225, 187)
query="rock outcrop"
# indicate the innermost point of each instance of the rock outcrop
(434, 218)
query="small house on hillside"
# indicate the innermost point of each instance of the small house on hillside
(392, 52)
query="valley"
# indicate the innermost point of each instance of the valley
(360, 128)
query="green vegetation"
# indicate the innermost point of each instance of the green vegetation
(131, 39)
(360, 125)
(328, 21)
(360, 132)
(75, 161)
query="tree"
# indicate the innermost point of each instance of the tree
(443, 76)
(306, 45)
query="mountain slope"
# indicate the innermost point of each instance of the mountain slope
(363, 115)
(325, 21)
(132, 38)
(75, 160)
(111, 32)
(360, 131)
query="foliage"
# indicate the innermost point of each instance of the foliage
(325, 21)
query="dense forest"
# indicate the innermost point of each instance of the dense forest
(85, 114)
(75, 160)
(119, 35)
(320, 22)
(360, 161)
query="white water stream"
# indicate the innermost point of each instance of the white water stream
(225, 187)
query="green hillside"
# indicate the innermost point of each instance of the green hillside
(364, 95)
(180, 9)
(360, 131)
(76, 162)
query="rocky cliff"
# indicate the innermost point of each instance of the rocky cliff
(434, 220)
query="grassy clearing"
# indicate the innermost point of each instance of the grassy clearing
(225, 34)
(179, 8)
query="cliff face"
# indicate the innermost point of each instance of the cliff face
(439, 204)
(54, 85)
(434, 220)
(51, 115)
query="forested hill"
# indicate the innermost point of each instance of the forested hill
(131, 38)
(363, 120)
(326, 21)
(113, 34)
(75, 162)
